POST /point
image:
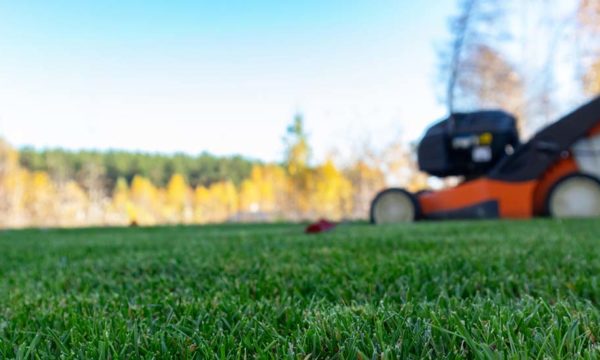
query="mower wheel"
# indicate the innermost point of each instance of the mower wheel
(574, 196)
(394, 206)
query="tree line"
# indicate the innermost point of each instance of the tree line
(67, 188)
(204, 169)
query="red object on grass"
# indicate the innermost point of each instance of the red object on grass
(320, 227)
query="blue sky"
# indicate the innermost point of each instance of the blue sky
(220, 76)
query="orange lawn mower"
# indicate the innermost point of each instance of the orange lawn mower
(556, 173)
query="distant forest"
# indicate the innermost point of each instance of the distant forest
(201, 170)
(47, 188)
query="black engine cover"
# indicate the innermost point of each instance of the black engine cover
(468, 145)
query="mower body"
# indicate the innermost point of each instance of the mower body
(503, 178)
(519, 184)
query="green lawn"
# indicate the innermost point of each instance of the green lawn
(430, 290)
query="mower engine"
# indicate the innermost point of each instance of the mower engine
(468, 144)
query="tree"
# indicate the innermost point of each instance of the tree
(274, 188)
(477, 73)
(331, 192)
(178, 199)
(72, 205)
(250, 196)
(146, 201)
(399, 163)
(461, 29)
(488, 80)
(202, 207)
(12, 186)
(40, 200)
(91, 178)
(588, 15)
(297, 155)
(297, 151)
(591, 79)
(478, 23)
(367, 180)
(217, 203)
(122, 210)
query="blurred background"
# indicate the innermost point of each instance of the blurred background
(180, 112)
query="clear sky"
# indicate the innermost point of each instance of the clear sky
(220, 76)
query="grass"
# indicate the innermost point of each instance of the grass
(431, 290)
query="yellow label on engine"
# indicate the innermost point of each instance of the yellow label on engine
(486, 138)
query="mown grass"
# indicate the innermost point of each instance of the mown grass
(431, 290)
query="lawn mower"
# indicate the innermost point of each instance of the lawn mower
(556, 173)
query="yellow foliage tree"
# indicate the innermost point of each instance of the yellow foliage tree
(297, 157)
(12, 186)
(250, 196)
(178, 207)
(72, 204)
(122, 211)
(274, 190)
(588, 14)
(265, 191)
(226, 194)
(41, 200)
(202, 211)
(146, 201)
(592, 79)
(217, 203)
(332, 193)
